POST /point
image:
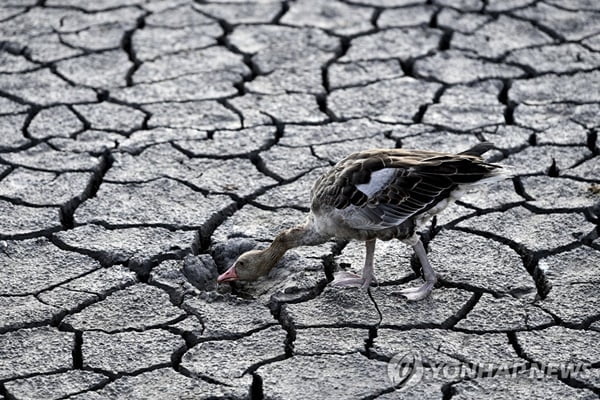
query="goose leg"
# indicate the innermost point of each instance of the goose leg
(367, 272)
(348, 279)
(419, 293)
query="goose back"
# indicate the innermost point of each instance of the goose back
(380, 189)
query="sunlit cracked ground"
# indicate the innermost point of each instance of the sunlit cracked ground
(145, 144)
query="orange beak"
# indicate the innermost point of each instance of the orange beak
(228, 276)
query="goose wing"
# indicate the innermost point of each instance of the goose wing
(381, 188)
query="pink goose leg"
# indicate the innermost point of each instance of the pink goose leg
(348, 279)
(421, 292)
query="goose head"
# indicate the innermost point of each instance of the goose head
(249, 266)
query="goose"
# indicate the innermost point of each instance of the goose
(377, 194)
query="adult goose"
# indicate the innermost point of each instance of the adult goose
(377, 194)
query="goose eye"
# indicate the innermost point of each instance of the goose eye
(240, 264)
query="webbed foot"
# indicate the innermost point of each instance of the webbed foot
(417, 293)
(349, 279)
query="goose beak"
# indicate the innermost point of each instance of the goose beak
(228, 276)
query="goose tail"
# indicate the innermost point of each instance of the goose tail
(497, 172)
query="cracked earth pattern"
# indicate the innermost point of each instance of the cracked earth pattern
(145, 144)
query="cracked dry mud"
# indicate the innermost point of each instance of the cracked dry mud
(145, 144)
